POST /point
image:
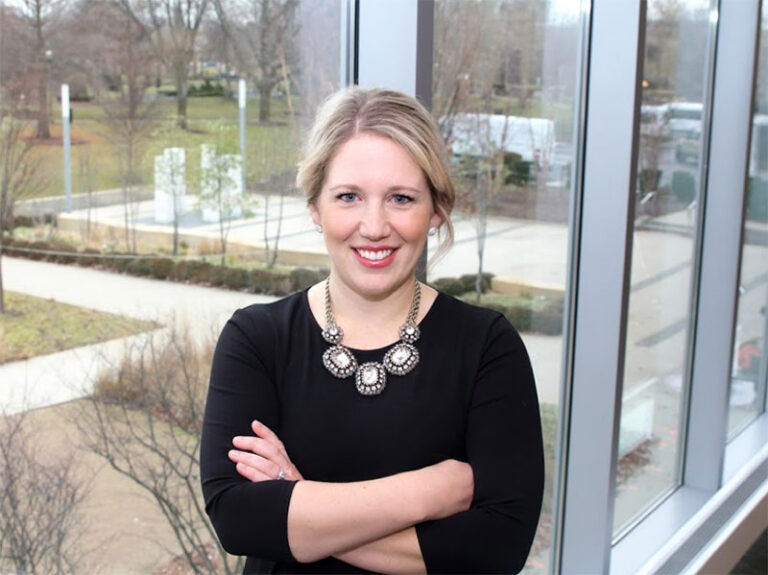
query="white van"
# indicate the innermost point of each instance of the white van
(484, 134)
(684, 119)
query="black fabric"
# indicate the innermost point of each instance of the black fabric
(472, 397)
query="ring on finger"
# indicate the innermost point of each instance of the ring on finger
(281, 476)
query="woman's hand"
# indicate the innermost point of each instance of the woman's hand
(263, 457)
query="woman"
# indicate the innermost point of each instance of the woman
(371, 423)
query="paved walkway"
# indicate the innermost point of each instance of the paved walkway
(66, 375)
(59, 377)
(539, 249)
(527, 252)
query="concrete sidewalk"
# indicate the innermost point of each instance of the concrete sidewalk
(59, 377)
(519, 251)
(66, 375)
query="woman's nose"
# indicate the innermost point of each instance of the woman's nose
(374, 224)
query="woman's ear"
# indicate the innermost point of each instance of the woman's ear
(435, 221)
(314, 214)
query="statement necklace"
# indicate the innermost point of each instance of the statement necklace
(371, 377)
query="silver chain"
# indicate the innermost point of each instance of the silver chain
(410, 319)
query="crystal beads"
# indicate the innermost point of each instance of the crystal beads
(371, 377)
(401, 359)
(339, 361)
(332, 334)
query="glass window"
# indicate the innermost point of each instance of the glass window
(168, 158)
(667, 189)
(505, 94)
(748, 379)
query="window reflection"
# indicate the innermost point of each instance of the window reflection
(666, 195)
(504, 92)
(748, 380)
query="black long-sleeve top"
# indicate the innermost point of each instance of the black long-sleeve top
(471, 397)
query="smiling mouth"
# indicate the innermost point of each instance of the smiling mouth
(374, 255)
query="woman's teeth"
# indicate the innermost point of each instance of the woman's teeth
(374, 255)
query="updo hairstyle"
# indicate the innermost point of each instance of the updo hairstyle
(394, 115)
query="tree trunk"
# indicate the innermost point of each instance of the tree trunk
(273, 259)
(181, 108)
(175, 235)
(481, 207)
(126, 218)
(43, 125)
(181, 97)
(2, 290)
(265, 93)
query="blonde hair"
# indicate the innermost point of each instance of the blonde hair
(394, 115)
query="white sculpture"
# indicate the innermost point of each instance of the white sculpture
(170, 185)
(221, 187)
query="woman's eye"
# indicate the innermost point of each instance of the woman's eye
(346, 197)
(402, 199)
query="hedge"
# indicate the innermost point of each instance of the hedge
(188, 271)
(548, 321)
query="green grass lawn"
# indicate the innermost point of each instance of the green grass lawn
(97, 156)
(34, 326)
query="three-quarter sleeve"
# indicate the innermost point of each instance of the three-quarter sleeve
(504, 448)
(249, 518)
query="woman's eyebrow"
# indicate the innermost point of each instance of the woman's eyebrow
(408, 189)
(395, 188)
(344, 187)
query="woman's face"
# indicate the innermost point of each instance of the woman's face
(375, 208)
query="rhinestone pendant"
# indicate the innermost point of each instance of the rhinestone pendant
(339, 361)
(409, 333)
(333, 334)
(401, 359)
(371, 379)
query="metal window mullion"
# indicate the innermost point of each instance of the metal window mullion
(569, 315)
(395, 47)
(348, 41)
(387, 44)
(763, 379)
(725, 191)
(603, 270)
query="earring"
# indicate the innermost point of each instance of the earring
(432, 231)
(318, 228)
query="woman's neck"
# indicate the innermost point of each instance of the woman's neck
(371, 322)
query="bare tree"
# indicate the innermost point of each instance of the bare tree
(16, 76)
(262, 34)
(145, 420)
(131, 116)
(86, 172)
(271, 251)
(482, 56)
(456, 57)
(483, 173)
(40, 17)
(221, 190)
(216, 47)
(172, 26)
(521, 63)
(40, 521)
(317, 72)
(19, 174)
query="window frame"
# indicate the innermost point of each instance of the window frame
(607, 123)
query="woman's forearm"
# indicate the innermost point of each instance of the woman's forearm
(395, 553)
(327, 519)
